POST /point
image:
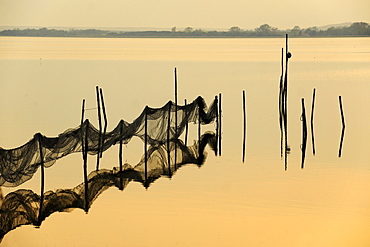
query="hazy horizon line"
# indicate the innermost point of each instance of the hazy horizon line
(117, 28)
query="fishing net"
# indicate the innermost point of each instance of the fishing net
(22, 207)
(162, 124)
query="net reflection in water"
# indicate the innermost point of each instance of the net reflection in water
(22, 207)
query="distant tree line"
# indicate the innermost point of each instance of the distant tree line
(265, 30)
(44, 32)
(355, 29)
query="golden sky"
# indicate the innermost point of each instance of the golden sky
(181, 13)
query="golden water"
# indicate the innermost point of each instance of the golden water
(226, 202)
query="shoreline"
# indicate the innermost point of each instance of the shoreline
(188, 37)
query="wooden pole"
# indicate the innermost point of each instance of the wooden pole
(216, 102)
(175, 143)
(220, 124)
(244, 126)
(105, 122)
(120, 154)
(86, 182)
(100, 128)
(83, 112)
(199, 126)
(146, 147)
(84, 146)
(39, 137)
(312, 129)
(304, 133)
(286, 92)
(169, 138)
(82, 122)
(287, 56)
(120, 145)
(343, 127)
(186, 124)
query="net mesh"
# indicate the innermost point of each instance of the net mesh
(19, 164)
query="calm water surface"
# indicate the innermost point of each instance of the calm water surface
(226, 202)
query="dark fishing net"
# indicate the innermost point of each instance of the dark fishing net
(22, 207)
(19, 164)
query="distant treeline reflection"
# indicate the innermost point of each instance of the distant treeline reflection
(22, 207)
(265, 30)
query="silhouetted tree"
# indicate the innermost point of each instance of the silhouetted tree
(235, 29)
(359, 28)
(296, 31)
(188, 30)
(265, 30)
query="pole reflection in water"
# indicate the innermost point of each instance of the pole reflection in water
(23, 206)
(312, 125)
(343, 127)
(304, 133)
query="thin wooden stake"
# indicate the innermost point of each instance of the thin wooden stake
(82, 122)
(286, 93)
(39, 137)
(343, 127)
(199, 126)
(312, 129)
(86, 182)
(120, 145)
(105, 122)
(287, 148)
(175, 143)
(146, 147)
(216, 102)
(186, 124)
(120, 154)
(168, 139)
(100, 128)
(84, 146)
(220, 125)
(244, 126)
